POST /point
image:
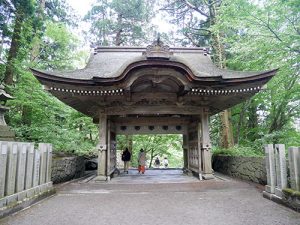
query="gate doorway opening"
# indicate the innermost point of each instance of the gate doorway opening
(163, 151)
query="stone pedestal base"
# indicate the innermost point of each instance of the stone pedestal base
(208, 176)
(269, 189)
(6, 134)
(101, 178)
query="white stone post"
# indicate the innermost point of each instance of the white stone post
(43, 162)
(3, 164)
(270, 164)
(49, 163)
(294, 164)
(36, 168)
(29, 166)
(281, 170)
(206, 145)
(11, 168)
(21, 166)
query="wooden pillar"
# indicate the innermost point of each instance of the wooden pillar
(102, 148)
(205, 145)
(185, 151)
(199, 148)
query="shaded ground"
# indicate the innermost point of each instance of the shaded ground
(159, 197)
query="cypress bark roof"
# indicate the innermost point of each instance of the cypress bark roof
(110, 63)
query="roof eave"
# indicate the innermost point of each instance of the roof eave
(97, 81)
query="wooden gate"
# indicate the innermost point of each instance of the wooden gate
(194, 147)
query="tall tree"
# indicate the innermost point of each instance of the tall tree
(120, 22)
(196, 19)
(22, 11)
(262, 37)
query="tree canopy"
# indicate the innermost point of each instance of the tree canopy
(241, 34)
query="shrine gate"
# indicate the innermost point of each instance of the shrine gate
(153, 90)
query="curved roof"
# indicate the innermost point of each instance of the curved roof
(152, 80)
(109, 64)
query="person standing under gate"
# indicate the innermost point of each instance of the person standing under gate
(157, 162)
(165, 162)
(126, 156)
(142, 161)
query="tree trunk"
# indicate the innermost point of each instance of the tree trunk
(119, 31)
(13, 51)
(226, 132)
(36, 42)
(240, 123)
(26, 115)
(151, 157)
(252, 121)
(219, 59)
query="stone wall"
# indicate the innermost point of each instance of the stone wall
(67, 168)
(246, 168)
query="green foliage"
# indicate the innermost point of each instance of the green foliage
(161, 146)
(40, 42)
(239, 151)
(37, 116)
(257, 37)
(58, 49)
(263, 37)
(120, 22)
(291, 192)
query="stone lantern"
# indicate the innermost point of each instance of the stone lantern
(5, 133)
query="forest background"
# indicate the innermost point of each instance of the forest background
(241, 35)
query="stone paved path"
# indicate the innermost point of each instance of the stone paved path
(156, 198)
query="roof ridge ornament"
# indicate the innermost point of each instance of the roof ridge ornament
(158, 50)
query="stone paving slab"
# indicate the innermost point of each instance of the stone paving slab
(213, 202)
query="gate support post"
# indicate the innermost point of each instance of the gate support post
(205, 145)
(102, 148)
(185, 151)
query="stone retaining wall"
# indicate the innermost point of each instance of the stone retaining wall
(67, 168)
(246, 168)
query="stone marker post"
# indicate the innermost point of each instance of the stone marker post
(281, 170)
(29, 166)
(43, 166)
(36, 169)
(21, 166)
(11, 168)
(271, 173)
(294, 164)
(3, 160)
(49, 163)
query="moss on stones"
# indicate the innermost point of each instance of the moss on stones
(291, 192)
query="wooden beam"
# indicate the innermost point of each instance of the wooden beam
(154, 110)
(145, 121)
